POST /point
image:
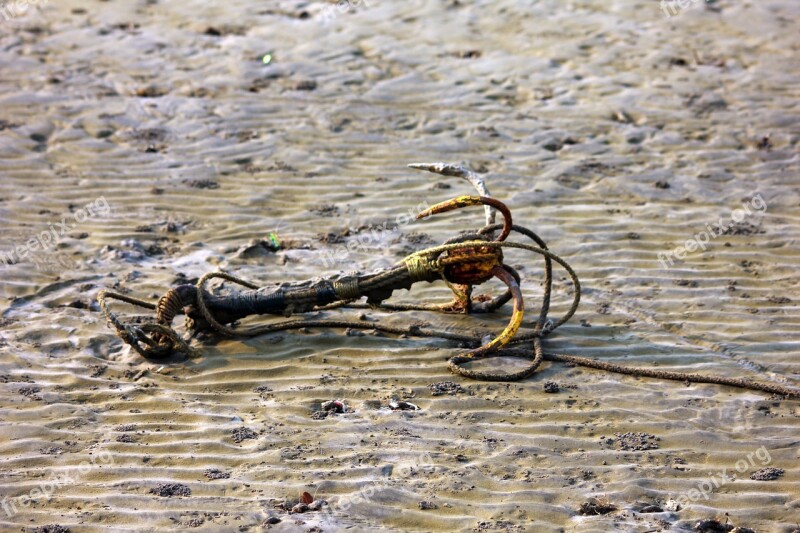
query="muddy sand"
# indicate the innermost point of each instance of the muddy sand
(156, 141)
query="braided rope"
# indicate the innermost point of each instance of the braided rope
(419, 266)
(347, 289)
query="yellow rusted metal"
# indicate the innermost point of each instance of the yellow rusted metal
(516, 316)
(450, 205)
(467, 201)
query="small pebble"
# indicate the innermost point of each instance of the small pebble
(300, 508)
(400, 405)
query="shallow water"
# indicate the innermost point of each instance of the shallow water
(614, 132)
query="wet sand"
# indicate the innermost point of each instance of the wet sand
(613, 131)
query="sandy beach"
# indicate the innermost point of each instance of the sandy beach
(145, 143)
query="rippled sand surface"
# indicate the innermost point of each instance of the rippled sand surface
(613, 131)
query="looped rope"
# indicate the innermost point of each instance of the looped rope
(455, 362)
(201, 304)
(163, 339)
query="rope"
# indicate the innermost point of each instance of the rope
(425, 265)
(164, 339)
(201, 304)
(421, 266)
(347, 289)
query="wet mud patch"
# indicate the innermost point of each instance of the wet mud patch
(169, 490)
(632, 441)
(767, 474)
